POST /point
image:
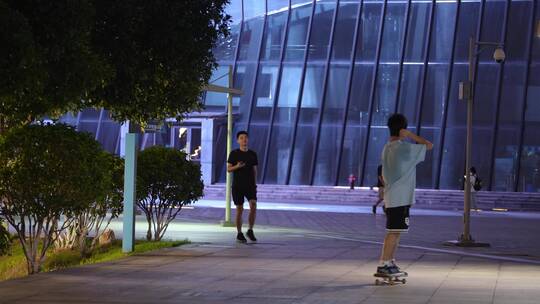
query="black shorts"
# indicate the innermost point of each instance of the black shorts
(397, 219)
(238, 194)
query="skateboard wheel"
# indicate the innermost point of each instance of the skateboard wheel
(377, 282)
(404, 281)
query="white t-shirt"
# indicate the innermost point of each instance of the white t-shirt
(399, 160)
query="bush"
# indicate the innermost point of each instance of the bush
(166, 181)
(96, 218)
(5, 239)
(47, 171)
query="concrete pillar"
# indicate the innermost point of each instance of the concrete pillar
(207, 150)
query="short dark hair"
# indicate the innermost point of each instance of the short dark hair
(473, 170)
(241, 133)
(396, 122)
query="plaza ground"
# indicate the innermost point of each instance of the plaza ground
(308, 254)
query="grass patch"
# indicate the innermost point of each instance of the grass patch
(14, 265)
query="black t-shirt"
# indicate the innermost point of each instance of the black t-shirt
(243, 177)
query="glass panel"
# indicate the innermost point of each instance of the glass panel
(512, 98)
(369, 32)
(277, 6)
(385, 93)
(529, 179)
(331, 125)
(355, 131)
(344, 32)
(250, 39)
(109, 135)
(453, 157)
(394, 30)
(265, 92)
(321, 30)
(253, 8)
(297, 35)
(281, 140)
(220, 76)
(443, 31)
(409, 99)
(273, 35)
(467, 23)
(417, 32)
(434, 95)
(305, 137)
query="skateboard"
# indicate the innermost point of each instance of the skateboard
(390, 279)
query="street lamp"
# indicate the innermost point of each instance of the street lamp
(466, 92)
(230, 92)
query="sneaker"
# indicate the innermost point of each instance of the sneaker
(397, 269)
(251, 235)
(240, 238)
(374, 209)
(386, 270)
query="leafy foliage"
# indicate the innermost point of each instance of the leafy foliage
(47, 172)
(5, 239)
(166, 181)
(47, 59)
(160, 51)
(97, 217)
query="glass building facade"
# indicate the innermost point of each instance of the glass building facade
(320, 78)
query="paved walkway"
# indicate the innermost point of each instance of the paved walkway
(305, 257)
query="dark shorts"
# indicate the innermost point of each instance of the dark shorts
(238, 194)
(397, 219)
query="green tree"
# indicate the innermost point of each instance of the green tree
(47, 61)
(96, 218)
(166, 181)
(47, 172)
(161, 54)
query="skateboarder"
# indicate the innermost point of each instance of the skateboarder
(243, 163)
(399, 160)
(380, 185)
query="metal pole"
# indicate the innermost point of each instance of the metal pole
(130, 178)
(466, 237)
(227, 221)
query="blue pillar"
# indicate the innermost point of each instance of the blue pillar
(130, 178)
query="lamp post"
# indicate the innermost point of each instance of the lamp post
(230, 92)
(466, 93)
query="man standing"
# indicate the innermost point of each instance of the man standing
(243, 163)
(399, 160)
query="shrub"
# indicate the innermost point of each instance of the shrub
(96, 218)
(47, 171)
(5, 239)
(166, 181)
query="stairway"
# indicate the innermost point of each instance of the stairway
(428, 199)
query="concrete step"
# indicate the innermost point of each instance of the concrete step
(425, 198)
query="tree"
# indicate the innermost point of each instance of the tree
(166, 181)
(161, 54)
(47, 171)
(47, 62)
(96, 218)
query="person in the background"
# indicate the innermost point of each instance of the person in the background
(475, 186)
(243, 163)
(380, 185)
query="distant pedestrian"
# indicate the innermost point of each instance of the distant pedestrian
(380, 186)
(243, 163)
(399, 160)
(476, 185)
